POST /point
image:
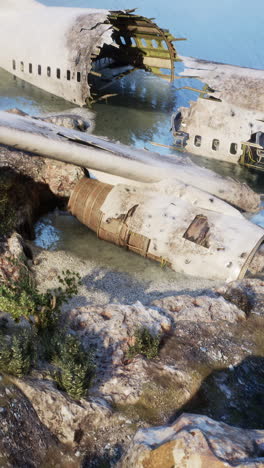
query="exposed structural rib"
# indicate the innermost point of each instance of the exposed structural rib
(69, 51)
(227, 120)
(95, 153)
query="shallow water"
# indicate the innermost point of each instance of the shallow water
(121, 276)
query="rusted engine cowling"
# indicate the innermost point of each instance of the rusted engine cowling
(173, 230)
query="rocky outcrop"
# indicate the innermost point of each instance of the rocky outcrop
(200, 309)
(53, 177)
(13, 258)
(193, 441)
(31, 186)
(69, 120)
(89, 427)
(248, 295)
(66, 418)
(24, 440)
(194, 331)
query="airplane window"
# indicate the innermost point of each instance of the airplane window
(68, 75)
(215, 145)
(233, 148)
(78, 77)
(49, 72)
(58, 73)
(39, 69)
(22, 66)
(14, 64)
(198, 140)
(30, 67)
(122, 40)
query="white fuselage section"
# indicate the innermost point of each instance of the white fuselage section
(35, 43)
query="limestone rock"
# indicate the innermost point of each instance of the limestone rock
(12, 258)
(200, 309)
(60, 177)
(247, 294)
(194, 441)
(24, 440)
(73, 121)
(110, 329)
(64, 417)
(16, 246)
(17, 111)
(31, 186)
(69, 120)
(115, 325)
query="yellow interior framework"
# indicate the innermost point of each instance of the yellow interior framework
(138, 43)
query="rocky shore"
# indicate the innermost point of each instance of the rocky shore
(200, 384)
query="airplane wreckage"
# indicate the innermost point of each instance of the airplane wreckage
(85, 50)
(162, 207)
(161, 210)
(227, 120)
(78, 56)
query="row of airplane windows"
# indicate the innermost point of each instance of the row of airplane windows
(48, 71)
(215, 144)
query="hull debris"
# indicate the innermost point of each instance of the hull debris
(227, 120)
(153, 221)
(83, 50)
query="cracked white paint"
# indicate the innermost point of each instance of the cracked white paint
(163, 216)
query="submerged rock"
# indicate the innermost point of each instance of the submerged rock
(194, 441)
(75, 122)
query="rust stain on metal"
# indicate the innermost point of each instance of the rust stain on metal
(85, 203)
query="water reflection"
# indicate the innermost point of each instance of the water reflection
(17, 93)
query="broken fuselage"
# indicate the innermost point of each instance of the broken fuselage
(64, 50)
(227, 120)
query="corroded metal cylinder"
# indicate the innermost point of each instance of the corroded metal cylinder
(85, 204)
(86, 201)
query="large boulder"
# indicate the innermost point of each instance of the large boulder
(24, 440)
(200, 309)
(194, 441)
